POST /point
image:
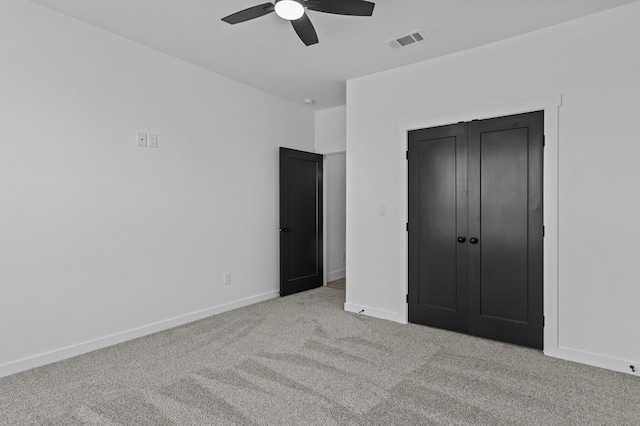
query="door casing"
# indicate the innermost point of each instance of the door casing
(550, 106)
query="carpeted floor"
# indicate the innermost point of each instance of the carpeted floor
(302, 360)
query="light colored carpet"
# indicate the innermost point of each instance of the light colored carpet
(302, 360)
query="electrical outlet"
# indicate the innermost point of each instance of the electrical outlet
(227, 278)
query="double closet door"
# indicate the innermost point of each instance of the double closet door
(475, 228)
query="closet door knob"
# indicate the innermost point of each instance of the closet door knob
(462, 239)
(473, 240)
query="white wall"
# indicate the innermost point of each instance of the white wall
(101, 240)
(331, 130)
(593, 64)
(335, 215)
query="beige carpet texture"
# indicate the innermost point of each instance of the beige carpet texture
(302, 360)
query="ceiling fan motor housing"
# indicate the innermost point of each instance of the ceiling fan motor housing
(289, 9)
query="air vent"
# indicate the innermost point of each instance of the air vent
(406, 40)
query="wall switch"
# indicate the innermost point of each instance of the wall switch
(227, 278)
(153, 141)
(142, 139)
(382, 210)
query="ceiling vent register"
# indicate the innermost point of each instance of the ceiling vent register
(406, 40)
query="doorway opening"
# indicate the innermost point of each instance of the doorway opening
(551, 107)
(335, 185)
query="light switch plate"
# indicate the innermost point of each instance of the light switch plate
(153, 141)
(142, 139)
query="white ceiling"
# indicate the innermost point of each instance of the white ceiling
(267, 54)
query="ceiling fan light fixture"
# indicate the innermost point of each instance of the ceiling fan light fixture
(289, 10)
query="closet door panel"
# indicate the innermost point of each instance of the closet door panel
(505, 215)
(437, 215)
(503, 224)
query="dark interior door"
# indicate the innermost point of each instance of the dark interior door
(301, 247)
(475, 228)
(505, 216)
(437, 214)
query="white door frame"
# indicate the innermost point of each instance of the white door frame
(326, 152)
(550, 106)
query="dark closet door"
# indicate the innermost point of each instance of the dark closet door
(437, 217)
(301, 247)
(475, 228)
(505, 216)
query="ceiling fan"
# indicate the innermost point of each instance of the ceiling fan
(293, 10)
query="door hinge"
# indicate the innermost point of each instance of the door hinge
(407, 298)
(543, 231)
(407, 226)
(543, 321)
(407, 154)
(544, 140)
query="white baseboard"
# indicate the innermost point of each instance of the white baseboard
(376, 313)
(594, 360)
(336, 275)
(60, 354)
(582, 357)
(113, 339)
